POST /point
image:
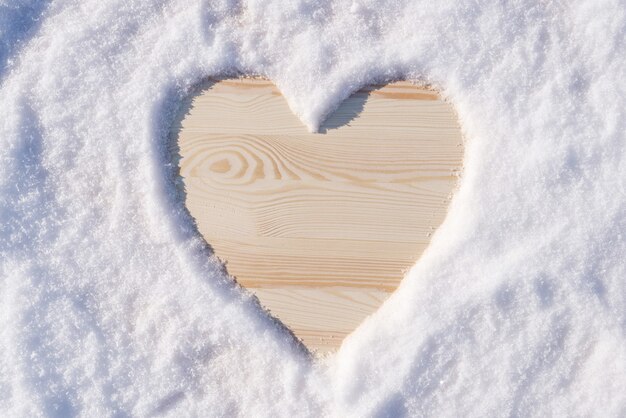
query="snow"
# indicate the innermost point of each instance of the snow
(110, 304)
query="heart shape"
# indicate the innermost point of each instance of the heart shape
(319, 226)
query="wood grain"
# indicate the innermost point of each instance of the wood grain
(321, 227)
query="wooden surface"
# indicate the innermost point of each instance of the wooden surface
(319, 226)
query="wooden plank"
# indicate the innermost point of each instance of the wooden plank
(319, 226)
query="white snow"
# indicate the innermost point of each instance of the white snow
(111, 306)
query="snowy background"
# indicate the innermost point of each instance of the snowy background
(111, 306)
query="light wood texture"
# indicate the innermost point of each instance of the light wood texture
(319, 226)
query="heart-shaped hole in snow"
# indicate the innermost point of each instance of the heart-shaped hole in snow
(320, 226)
